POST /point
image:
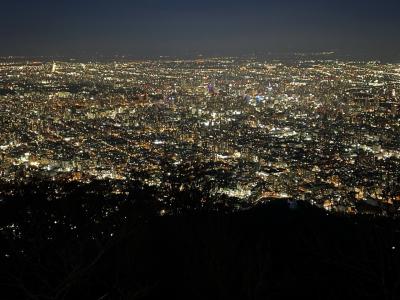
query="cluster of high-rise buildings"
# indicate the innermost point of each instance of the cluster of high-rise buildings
(327, 132)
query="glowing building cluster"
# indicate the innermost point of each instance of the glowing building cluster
(327, 132)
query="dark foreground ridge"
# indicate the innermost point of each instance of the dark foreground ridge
(93, 244)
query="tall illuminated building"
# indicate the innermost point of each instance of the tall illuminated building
(54, 68)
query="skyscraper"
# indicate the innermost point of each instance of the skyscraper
(54, 68)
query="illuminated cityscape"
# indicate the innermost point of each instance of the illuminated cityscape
(214, 149)
(324, 131)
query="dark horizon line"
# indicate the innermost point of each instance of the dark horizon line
(320, 55)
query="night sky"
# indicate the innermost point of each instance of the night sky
(151, 28)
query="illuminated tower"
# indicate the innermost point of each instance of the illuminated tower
(54, 68)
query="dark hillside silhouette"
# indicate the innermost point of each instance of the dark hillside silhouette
(85, 242)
